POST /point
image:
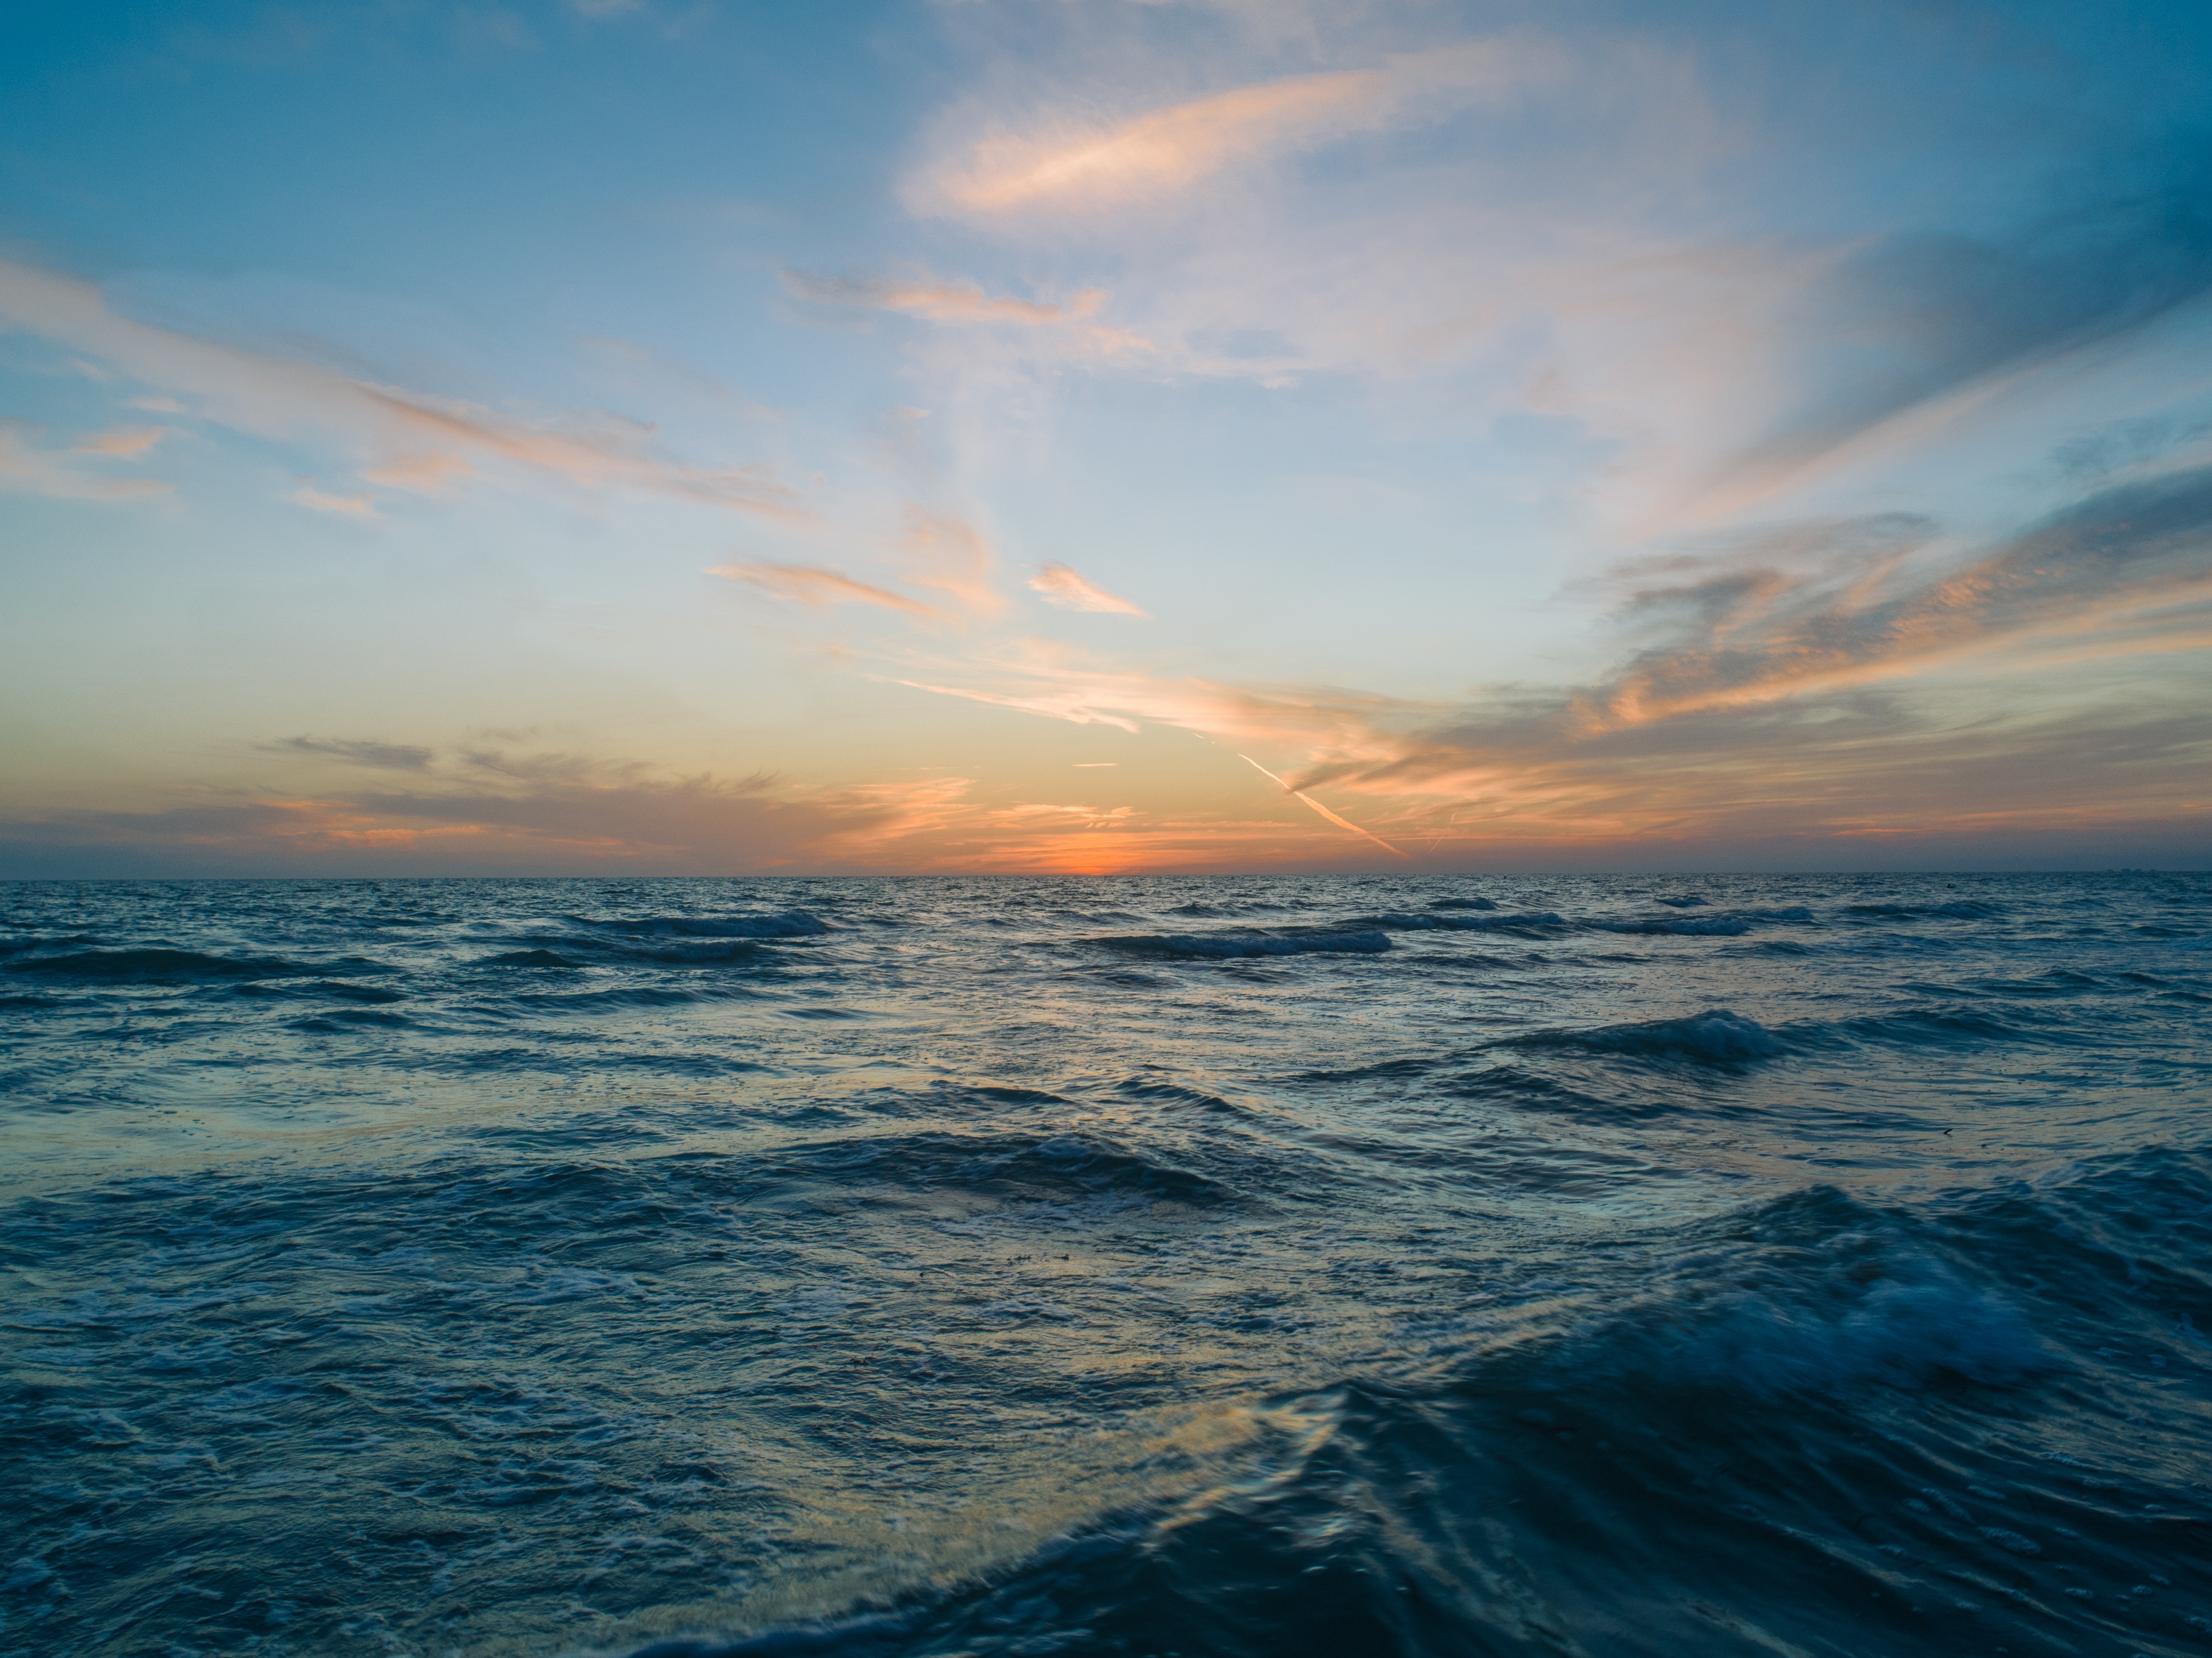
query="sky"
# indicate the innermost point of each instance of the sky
(564, 437)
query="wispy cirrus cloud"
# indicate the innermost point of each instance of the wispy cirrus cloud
(1066, 324)
(1058, 165)
(941, 301)
(947, 552)
(1905, 324)
(322, 501)
(357, 751)
(1059, 682)
(28, 467)
(126, 442)
(1063, 586)
(401, 434)
(811, 586)
(933, 549)
(1615, 278)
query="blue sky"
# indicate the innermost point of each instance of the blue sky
(1052, 435)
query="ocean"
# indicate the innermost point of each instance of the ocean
(1775, 1264)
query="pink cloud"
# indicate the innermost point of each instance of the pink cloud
(1064, 165)
(27, 469)
(307, 494)
(941, 301)
(1064, 587)
(807, 585)
(414, 433)
(126, 442)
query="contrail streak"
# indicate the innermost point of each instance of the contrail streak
(1341, 823)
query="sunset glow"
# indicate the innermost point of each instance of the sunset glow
(1104, 437)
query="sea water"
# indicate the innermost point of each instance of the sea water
(1329, 1265)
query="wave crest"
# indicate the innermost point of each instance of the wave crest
(1716, 1035)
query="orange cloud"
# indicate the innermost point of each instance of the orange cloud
(127, 442)
(1160, 152)
(428, 473)
(807, 585)
(1064, 587)
(940, 302)
(1071, 167)
(946, 551)
(1059, 683)
(416, 434)
(27, 469)
(1830, 680)
(339, 506)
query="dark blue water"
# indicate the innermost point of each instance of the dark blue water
(1777, 1266)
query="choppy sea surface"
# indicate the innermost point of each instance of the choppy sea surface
(1329, 1265)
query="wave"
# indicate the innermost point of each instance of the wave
(333, 989)
(352, 1019)
(1462, 904)
(17, 946)
(160, 965)
(1956, 1027)
(1717, 1036)
(1761, 1450)
(1961, 909)
(787, 924)
(1506, 921)
(1706, 926)
(667, 949)
(629, 997)
(1231, 945)
(1035, 1166)
(1816, 1293)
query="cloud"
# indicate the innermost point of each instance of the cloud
(807, 585)
(307, 494)
(1074, 167)
(1846, 606)
(940, 302)
(1608, 252)
(1843, 684)
(944, 550)
(401, 433)
(1064, 587)
(665, 827)
(384, 757)
(1906, 320)
(27, 469)
(126, 442)
(1847, 680)
(525, 813)
(1066, 324)
(936, 550)
(1057, 682)
(1341, 823)
(432, 473)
